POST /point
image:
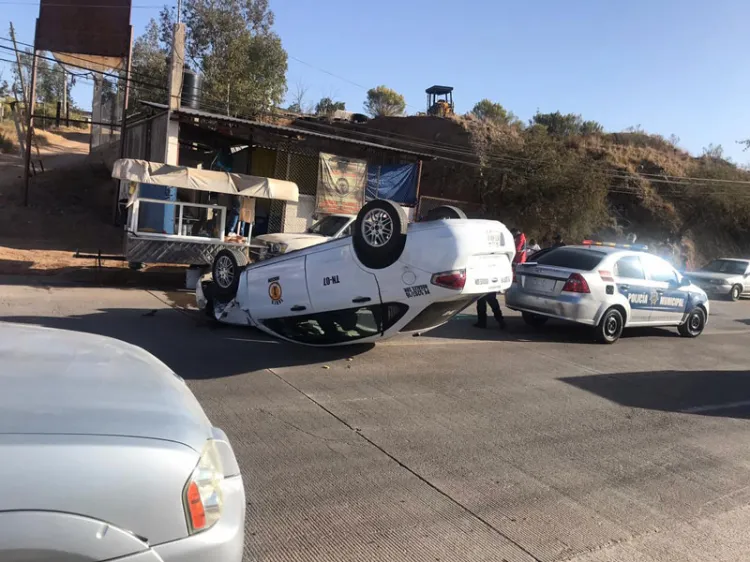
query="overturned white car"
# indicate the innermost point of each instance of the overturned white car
(385, 279)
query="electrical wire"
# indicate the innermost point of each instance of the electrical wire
(417, 143)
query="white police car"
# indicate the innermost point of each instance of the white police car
(389, 277)
(610, 287)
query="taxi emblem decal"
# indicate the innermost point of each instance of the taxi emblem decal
(274, 290)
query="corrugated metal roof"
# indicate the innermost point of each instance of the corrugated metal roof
(284, 129)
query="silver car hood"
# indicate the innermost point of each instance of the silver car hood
(63, 382)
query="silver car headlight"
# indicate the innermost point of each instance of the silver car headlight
(203, 498)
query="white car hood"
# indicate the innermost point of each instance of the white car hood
(64, 382)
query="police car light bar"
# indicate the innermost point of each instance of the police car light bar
(635, 247)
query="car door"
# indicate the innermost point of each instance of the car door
(336, 282)
(669, 297)
(630, 280)
(278, 289)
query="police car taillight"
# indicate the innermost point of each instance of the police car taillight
(576, 284)
(450, 279)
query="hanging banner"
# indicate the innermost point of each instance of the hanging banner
(341, 184)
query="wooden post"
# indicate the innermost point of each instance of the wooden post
(123, 125)
(30, 123)
(24, 93)
(58, 111)
(64, 96)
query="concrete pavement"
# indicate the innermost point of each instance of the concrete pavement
(462, 444)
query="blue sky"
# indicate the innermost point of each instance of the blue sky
(672, 67)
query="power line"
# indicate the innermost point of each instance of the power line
(416, 142)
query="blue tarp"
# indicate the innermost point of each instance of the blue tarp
(397, 183)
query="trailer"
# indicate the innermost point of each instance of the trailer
(174, 215)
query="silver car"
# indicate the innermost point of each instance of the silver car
(725, 277)
(607, 287)
(106, 454)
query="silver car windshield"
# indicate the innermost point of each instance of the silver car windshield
(328, 226)
(726, 266)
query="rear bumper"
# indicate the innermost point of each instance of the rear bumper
(571, 306)
(224, 541)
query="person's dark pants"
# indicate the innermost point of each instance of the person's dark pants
(491, 299)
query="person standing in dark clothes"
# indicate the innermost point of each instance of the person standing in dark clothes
(491, 299)
(558, 241)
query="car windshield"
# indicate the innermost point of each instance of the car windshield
(726, 266)
(573, 258)
(328, 226)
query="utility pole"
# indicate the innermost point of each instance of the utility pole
(65, 95)
(30, 123)
(24, 93)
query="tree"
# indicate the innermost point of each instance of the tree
(383, 101)
(558, 124)
(715, 152)
(149, 67)
(487, 110)
(589, 128)
(326, 106)
(241, 59)
(299, 105)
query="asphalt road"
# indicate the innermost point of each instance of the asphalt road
(463, 444)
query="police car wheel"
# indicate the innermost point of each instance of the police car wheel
(610, 327)
(379, 234)
(734, 294)
(534, 320)
(694, 324)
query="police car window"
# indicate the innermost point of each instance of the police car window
(659, 270)
(574, 258)
(629, 267)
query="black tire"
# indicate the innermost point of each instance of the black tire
(534, 320)
(694, 323)
(445, 212)
(610, 326)
(379, 234)
(735, 293)
(225, 270)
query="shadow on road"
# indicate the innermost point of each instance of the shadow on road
(518, 331)
(192, 345)
(709, 393)
(745, 321)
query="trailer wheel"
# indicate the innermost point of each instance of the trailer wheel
(379, 233)
(445, 212)
(225, 270)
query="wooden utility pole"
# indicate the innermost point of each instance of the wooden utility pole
(123, 125)
(65, 96)
(24, 93)
(30, 123)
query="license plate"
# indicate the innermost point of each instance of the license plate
(540, 284)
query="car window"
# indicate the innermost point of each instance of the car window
(629, 267)
(348, 230)
(660, 270)
(574, 258)
(730, 267)
(328, 226)
(338, 326)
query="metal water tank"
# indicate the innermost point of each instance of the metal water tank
(191, 89)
